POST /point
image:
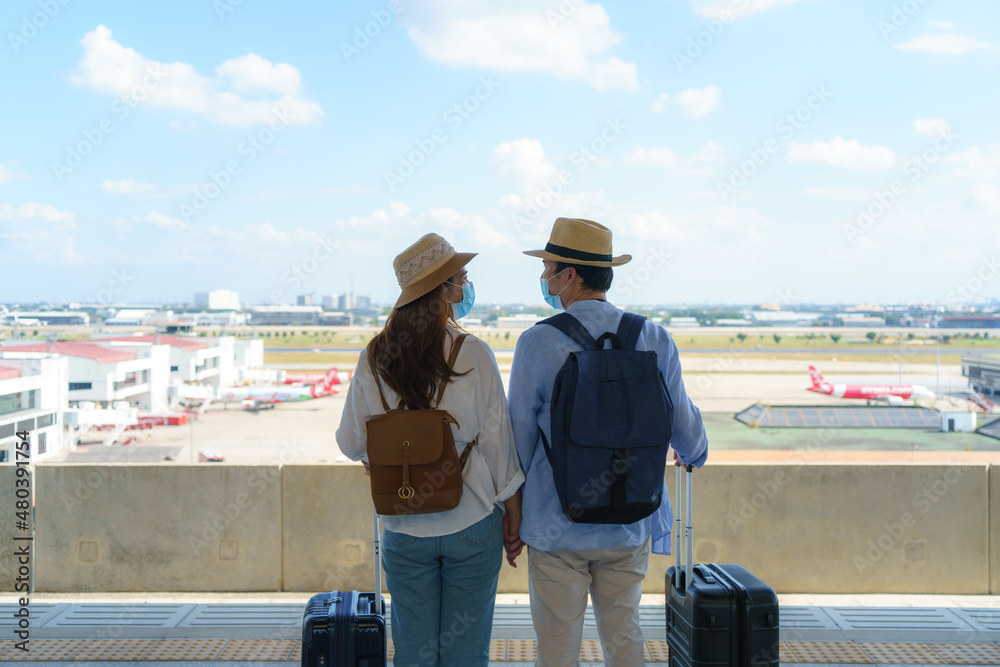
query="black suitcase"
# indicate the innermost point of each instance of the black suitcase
(717, 614)
(346, 628)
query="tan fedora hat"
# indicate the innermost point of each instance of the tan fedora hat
(425, 265)
(579, 241)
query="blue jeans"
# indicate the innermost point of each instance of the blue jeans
(443, 592)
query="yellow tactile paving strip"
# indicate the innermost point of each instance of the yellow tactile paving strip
(501, 650)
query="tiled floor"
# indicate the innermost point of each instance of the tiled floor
(108, 633)
(501, 650)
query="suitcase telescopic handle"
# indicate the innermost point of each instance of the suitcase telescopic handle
(376, 606)
(685, 543)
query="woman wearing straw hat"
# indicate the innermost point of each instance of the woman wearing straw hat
(441, 568)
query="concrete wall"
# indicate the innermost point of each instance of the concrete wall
(846, 528)
(801, 528)
(8, 527)
(995, 530)
(126, 527)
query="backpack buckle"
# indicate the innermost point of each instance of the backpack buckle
(406, 491)
(620, 464)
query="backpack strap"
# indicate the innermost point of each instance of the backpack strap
(451, 363)
(629, 330)
(571, 326)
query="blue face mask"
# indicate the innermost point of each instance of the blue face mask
(462, 308)
(552, 299)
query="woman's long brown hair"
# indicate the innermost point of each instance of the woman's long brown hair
(408, 354)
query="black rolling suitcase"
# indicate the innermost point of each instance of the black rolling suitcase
(346, 628)
(717, 614)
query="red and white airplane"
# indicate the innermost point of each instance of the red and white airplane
(264, 398)
(342, 377)
(893, 394)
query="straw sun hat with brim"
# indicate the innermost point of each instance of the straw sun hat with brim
(425, 265)
(579, 241)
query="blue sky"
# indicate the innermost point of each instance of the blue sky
(741, 150)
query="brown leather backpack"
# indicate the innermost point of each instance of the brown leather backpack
(415, 468)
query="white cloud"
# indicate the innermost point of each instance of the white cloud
(523, 162)
(944, 44)
(716, 9)
(9, 175)
(127, 187)
(842, 153)
(676, 164)
(943, 25)
(520, 37)
(613, 73)
(110, 68)
(975, 164)
(33, 212)
(699, 102)
(266, 233)
(251, 73)
(931, 127)
(987, 196)
(397, 213)
(696, 102)
(842, 193)
(160, 220)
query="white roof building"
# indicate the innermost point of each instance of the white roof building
(33, 397)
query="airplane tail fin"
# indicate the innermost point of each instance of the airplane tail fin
(817, 377)
(330, 379)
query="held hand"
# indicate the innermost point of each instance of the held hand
(368, 469)
(677, 460)
(512, 543)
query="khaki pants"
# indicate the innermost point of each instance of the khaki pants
(558, 582)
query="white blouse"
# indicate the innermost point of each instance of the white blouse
(477, 401)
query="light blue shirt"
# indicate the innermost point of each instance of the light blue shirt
(538, 356)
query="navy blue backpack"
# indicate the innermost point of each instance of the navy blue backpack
(611, 426)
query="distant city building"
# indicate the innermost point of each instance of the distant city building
(335, 318)
(304, 300)
(220, 299)
(34, 394)
(285, 315)
(683, 322)
(222, 319)
(519, 322)
(329, 302)
(967, 321)
(345, 302)
(983, 371)
(858, 320)
(53, 317)
(733, 323)
(783, 318)
(363, 302)
(130, 317)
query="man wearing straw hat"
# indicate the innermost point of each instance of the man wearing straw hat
(566, 559)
